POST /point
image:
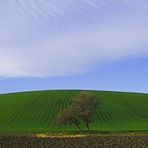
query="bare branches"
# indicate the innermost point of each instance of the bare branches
(82, 108)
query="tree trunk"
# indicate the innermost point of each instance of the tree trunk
(87, 125)
(78, 127)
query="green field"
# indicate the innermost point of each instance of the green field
(36, 112)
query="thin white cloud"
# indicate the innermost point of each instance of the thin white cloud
(54, 38)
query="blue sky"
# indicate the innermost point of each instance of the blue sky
(66, 44)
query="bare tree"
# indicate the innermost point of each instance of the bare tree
(85, 105)
(82, 108)
(69, 116)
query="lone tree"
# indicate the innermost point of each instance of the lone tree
(86, 104)
(82, 108)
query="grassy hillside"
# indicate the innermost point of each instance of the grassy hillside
(30, 112)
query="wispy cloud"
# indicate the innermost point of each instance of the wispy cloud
(41, 38)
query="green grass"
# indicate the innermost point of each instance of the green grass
(36, 112)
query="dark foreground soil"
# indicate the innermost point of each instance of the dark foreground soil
(74, 141)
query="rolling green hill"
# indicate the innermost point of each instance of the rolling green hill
(31, 112)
